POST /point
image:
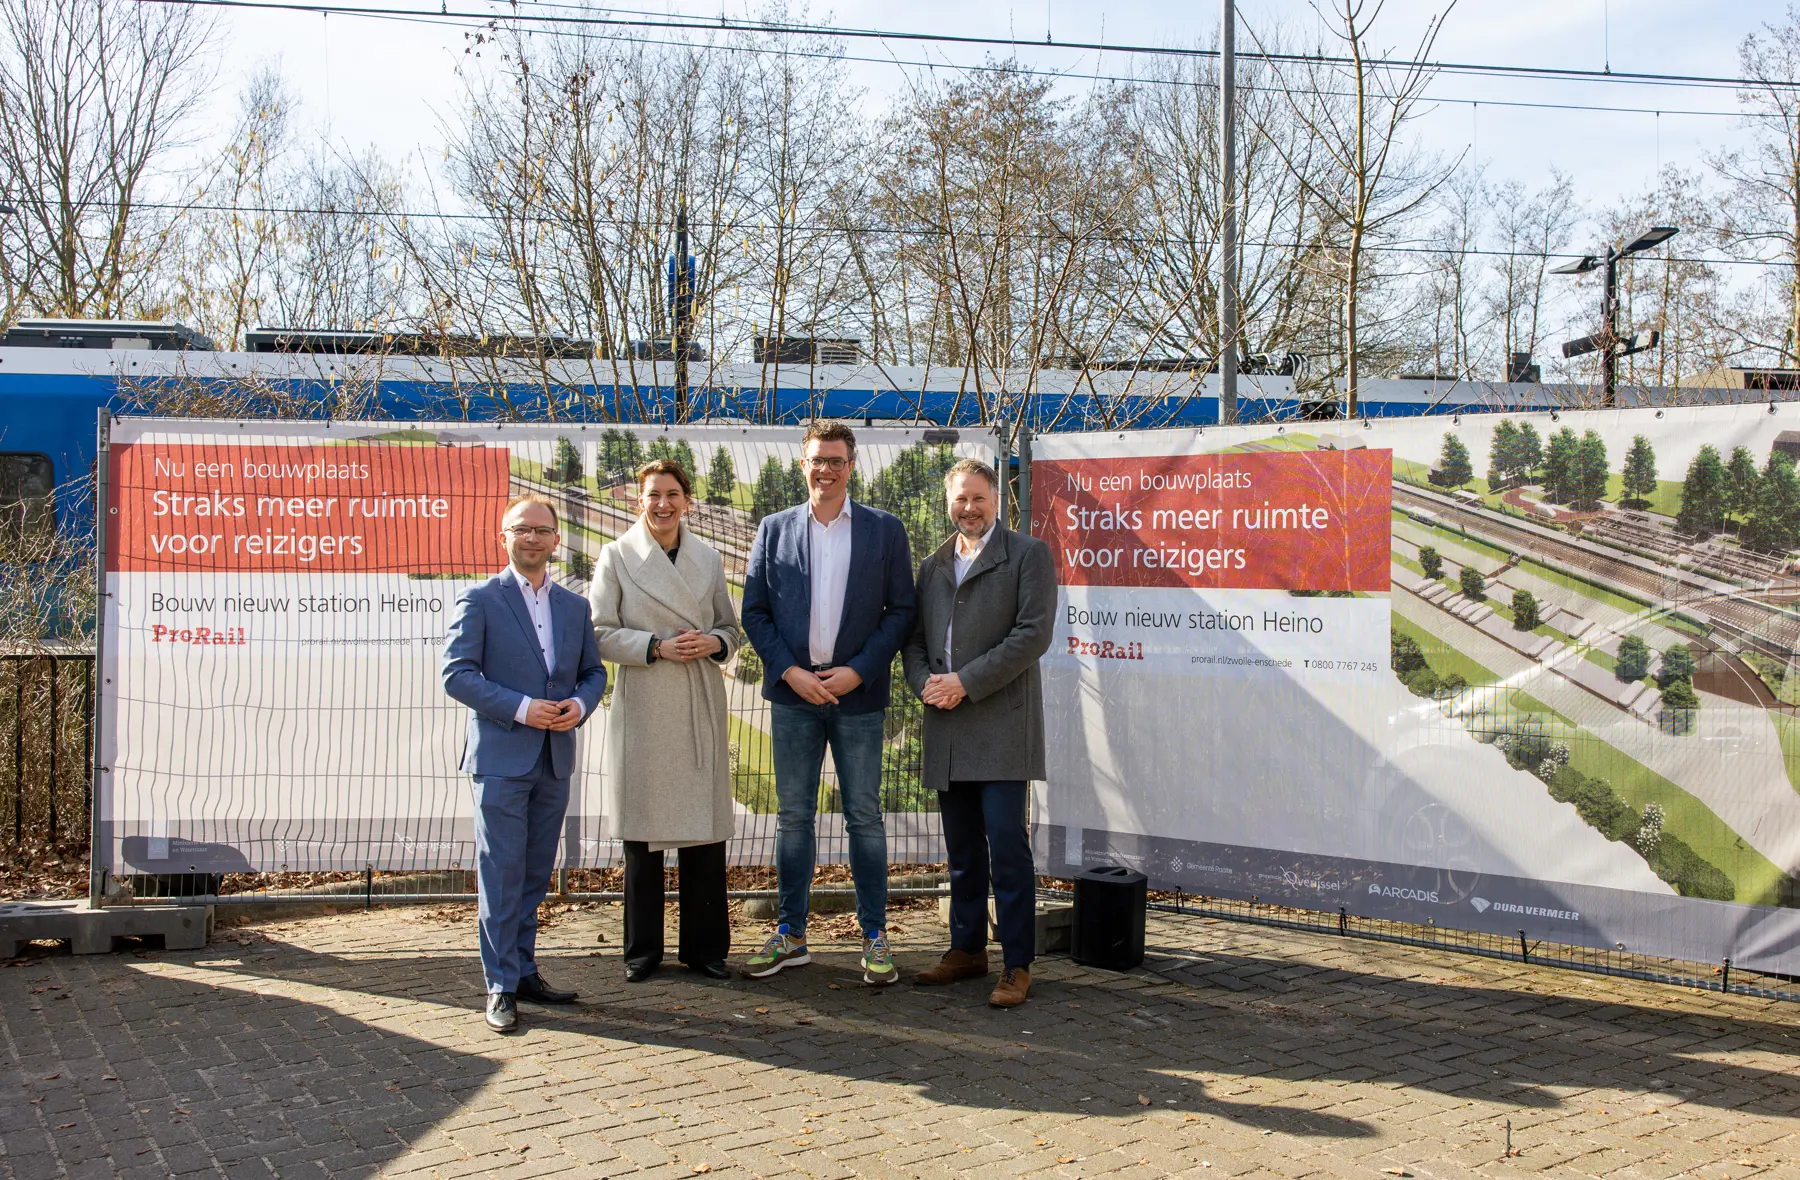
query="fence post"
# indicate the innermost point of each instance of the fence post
(102, 508)
(1024, 481)
(55, 733)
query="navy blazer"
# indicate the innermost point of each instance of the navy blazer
(492, 661)
(878, 602)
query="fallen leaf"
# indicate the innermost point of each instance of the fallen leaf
(836, 987)
(802, 1022)
(64, 1126)
(762, 1011)
(109, 1077)
(635, 1105)
(182, 1110)
(1143, 1101)
(51, 1077)
(803, 1143)
(702, 1168)
(1194, 1118)
(1397, 1171)
(1065, 1159)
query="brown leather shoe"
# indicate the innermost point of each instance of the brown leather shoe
(1014, 986)
(954, 966)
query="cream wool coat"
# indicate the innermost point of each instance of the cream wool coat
(667, 762)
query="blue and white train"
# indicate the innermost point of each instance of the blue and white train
(55, 376)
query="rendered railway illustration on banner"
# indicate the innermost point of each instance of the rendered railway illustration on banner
(1525, 673)
(278, 594)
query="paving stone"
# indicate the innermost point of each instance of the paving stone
(353, 1045)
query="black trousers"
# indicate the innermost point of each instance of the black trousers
(988, 845)
(705, 917)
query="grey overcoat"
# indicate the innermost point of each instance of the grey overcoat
(667, 763)
(1004, 613)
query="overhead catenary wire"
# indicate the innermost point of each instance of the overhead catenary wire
(723, 23)
(727, 228)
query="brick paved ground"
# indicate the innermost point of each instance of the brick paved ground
(353, 1046)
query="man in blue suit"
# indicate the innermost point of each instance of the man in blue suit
(828, 599)
(521, 655)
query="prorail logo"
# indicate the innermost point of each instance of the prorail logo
(1401, 893)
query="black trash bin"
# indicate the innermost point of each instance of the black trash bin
(1109, 918)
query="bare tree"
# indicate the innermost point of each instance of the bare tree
(1761, 220)
(1176, 231)
(1379, 181)
(1530, 228)
(231, 245)
(1453, 284)
(94, 97)
(1005, 204)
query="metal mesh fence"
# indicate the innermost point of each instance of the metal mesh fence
(277, 597)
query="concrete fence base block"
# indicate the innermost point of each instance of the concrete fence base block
(1055, 923)
(765, 909)
(91, 932)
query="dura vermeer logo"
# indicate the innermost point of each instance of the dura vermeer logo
(1480, 903)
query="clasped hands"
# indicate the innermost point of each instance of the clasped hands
(821, 688)
(689, 644)
(943, 691)
(555, 716)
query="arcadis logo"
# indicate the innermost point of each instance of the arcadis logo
(1401, 893)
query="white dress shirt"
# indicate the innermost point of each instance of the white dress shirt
(964, 563)
(537, 605)
(830, 561)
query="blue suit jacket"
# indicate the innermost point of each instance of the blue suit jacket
(492, 661)
(878, 602)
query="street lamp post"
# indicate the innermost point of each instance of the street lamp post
(1607, 341)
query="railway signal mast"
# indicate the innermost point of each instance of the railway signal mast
(1607, 341)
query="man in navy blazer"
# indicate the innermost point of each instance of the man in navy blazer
(828, 599)
(520, 653)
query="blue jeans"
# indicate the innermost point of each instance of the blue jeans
(518, 824)
(986, 841)
(800, 734)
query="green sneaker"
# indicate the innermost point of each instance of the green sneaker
(781, 950)
(877, 961)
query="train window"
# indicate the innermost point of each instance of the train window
(27, 504)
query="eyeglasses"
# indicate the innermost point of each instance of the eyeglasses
(831, 464)
(520, 532)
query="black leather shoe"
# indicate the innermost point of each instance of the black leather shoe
(638, 972)
(503, 1012)
(533, 988)
(711, 970)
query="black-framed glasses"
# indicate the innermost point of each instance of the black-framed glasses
(827, 463)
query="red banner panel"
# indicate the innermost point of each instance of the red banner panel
(1273, 520)
(363, 507)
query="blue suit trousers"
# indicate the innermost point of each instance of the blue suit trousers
(518, 824)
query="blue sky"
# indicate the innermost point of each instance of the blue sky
(390, 84)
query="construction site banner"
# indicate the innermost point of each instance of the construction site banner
(1526, 673)
(277, 596)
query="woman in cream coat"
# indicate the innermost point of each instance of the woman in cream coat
(663, 614)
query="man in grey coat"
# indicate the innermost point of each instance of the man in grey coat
(986, 603)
